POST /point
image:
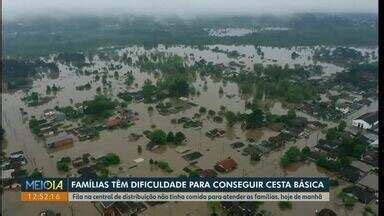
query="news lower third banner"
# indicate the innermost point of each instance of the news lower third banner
(176, 189)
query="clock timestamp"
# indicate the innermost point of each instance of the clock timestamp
(44, 196)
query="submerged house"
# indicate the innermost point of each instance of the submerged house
(366, 121)
(226, 165)
(49, 113)
(364, 196)
(326, 212)
(239, 208)
(113, 121)
(343, 107)
(62, 139)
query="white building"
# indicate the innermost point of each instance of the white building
(366, 121)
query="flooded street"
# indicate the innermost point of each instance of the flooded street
(19, 136)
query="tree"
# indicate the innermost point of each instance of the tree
(202, 110)
(352, 147)
(103, 173)
(34, 96)
(254, 119)
(221, 91)
(170, 137)
(100, 106)
(48, 91)
(213, 206)
(178, 87)
(331, 134)
(62, 166)
(283, 205)
(291, 114)
(327, 164)
(55, 88)
(110, 159)
(348, 200)
(139, 149)
(255, 156)
(305, 151)
(65, 159)
(164, 166)
(344, 161)
(342, 126)
(292, 155)
(179, 138)
(211, 112)
(36, 174)
(2, 132)
(158, 137)
(148, 90)
(194, 173)
(231, 118)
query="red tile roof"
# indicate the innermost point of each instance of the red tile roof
(112, 121)
(226, 165)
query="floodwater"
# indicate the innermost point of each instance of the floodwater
(116, 141)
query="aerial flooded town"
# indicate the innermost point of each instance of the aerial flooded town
(220, 97)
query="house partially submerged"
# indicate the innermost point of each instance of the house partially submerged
(240, 208)
(344, 107)
(226, 165)
(112, 121)
(370, 182)
(367, 121)
(371, 157)
(62, 139)
(363, 195)
(215, 133)
(326, 212)
(350, 173)
(364, 167)
(80, 161)
(237, 144)
(7, 175)
(192, 156)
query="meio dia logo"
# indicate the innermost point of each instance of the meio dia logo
(44, 185)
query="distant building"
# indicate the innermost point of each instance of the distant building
(61, 139)
(226, 165)
(78, 162)
(49, 113)
(366, 121)
(15, 155)
(7, 174)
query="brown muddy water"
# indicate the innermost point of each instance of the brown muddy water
(19, 137)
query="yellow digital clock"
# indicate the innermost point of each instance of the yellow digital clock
(44, 196)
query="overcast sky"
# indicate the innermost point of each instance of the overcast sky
(23, 8)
